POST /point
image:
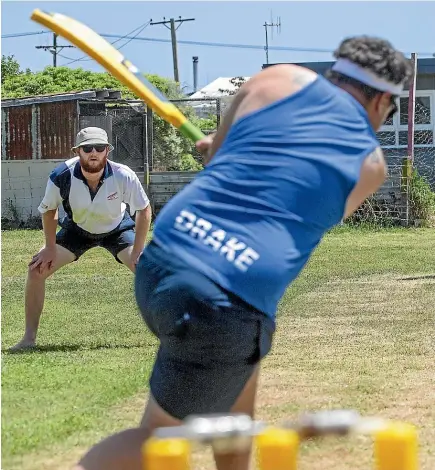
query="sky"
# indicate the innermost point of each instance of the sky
(304, 25)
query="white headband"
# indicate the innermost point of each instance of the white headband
(350, 69)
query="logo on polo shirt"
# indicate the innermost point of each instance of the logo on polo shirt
(112, 196)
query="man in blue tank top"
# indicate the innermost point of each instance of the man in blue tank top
(296, 154)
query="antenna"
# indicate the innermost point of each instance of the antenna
(271, 25)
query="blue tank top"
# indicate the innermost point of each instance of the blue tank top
(251, 219)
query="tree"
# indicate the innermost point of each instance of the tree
(171, 150)
(10, 67)
(58, 80)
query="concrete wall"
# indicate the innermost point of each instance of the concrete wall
(23, 185)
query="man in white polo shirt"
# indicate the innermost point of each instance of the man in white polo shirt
(93, 192)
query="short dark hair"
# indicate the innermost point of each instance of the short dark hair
(376, 55)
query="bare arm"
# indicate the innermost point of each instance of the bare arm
(373, 174)
(143, 222)
(268, 86)
(45, 258)
(49, 226)
(211, 143)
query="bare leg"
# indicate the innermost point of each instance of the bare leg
(122, 451)
(245, 404)
(35, 295)
(125, 257)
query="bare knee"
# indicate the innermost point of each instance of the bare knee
(117, 452)
(34, 275)
(156, 417)
(123, 450)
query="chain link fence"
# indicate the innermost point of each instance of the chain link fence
(394, 204)
(409, 148)
(143, 140)
(126, 125)
(169, 150)
(152, 147)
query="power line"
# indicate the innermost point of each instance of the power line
(17, 35)
(231, 45)
(134, 37)
(54, 48)
(68, 58)
(126, 36)
(242, 46)
(207, 44)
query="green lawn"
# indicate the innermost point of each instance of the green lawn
(94, 349)
(357, 326)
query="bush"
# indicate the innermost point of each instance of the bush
(171, 148)
(377, 213)
(189, 163)
(421, 199)
(186, 162)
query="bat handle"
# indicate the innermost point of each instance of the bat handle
(190, 131)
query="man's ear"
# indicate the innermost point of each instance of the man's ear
(384, 102)
(375, 102)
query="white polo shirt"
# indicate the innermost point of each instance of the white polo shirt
(96, 213)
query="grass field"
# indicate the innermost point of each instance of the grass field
(356, 330)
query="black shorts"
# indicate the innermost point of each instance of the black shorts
(79, 244)
(210, 340)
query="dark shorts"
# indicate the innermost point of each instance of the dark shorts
(210, 340)
(79, 244)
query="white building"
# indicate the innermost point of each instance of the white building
(220, 88)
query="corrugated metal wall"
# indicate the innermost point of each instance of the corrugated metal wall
(17, 129)
(57, 128)
(39, 131)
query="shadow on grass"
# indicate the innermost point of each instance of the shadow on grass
(72, 347)
(416, 278)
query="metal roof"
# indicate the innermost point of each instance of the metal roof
(51, 98)
(424, 66)
(212, 90)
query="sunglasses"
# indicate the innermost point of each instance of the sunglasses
(394, 107)
(89, 148)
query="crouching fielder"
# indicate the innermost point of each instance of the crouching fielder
(94, 192)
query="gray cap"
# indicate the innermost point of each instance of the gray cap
(92, 135)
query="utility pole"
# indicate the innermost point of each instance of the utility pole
(53, 49)
(172, 22)
(271, 25)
